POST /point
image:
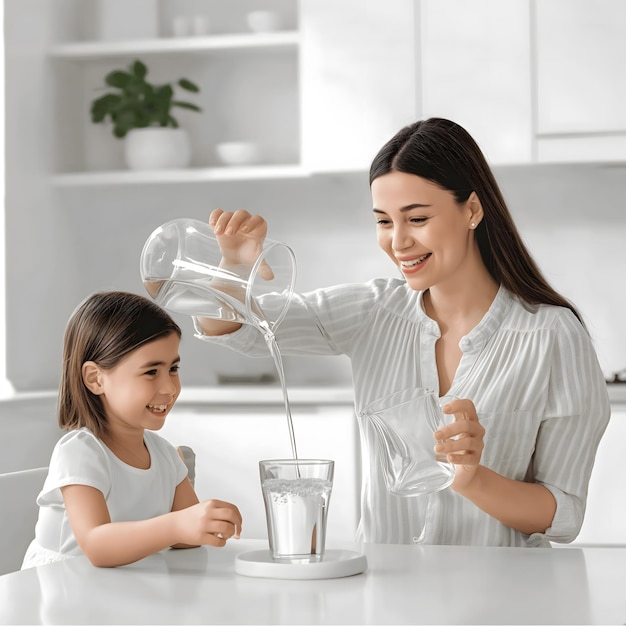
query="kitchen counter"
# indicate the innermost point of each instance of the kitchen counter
(265, 394)
(617, 393)
(403, 584)
(269, 394)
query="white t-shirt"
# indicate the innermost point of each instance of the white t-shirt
(80, 458)
(531, 372)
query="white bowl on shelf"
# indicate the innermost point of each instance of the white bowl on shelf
(237, 152)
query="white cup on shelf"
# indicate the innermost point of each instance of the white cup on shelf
(181, 26)
(200, 25)
(263, 21)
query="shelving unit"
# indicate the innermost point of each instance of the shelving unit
(293, 92)
(249, 87)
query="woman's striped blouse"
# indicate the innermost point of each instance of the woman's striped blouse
(531, 372)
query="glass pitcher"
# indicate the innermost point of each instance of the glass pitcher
(182, 269)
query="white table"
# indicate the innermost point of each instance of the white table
(402, 585)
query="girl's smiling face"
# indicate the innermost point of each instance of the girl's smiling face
(424, 230)
(140, 390)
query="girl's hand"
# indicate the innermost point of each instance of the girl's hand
(208, 523)
(462, 441)
(240, 236)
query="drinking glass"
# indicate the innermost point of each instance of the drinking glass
(296, 493)
(182, 269)
(402, 425)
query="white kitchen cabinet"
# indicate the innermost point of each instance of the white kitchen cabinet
(580, 81)
(532, 81)
(605, 519)
(475, 67)
(230, 439)
(359, 76)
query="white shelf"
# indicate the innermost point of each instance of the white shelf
(85, 50)
(189, 175)
(265, 395)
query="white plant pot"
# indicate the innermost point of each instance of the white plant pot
(157, 148)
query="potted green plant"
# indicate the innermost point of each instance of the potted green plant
(141, 113)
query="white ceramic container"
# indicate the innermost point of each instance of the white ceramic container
(157, 148)
(237, 152)
(263, 21)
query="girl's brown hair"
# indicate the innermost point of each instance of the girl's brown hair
(444, 153)
(104, 329)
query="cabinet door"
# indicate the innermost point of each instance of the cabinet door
(358, 78)
(229, 442)
(475, 70)
(581, 50)
(605, 519)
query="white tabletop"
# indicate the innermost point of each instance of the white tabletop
(402, 585)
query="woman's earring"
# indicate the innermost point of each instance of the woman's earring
(472, 225)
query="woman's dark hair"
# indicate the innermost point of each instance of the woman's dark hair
(444, 153)
(104, 329)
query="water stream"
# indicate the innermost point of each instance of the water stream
(272, 344)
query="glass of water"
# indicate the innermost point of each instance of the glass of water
(297, 494)
(402, 427)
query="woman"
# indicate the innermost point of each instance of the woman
(472, 318)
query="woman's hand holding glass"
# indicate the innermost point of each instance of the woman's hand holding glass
(462, 441)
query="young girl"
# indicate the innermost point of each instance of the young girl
(471, 317)
(115, 490)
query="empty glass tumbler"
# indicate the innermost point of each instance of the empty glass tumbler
(183, 270)
(402, 427)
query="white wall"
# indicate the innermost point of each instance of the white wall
(571, 218)
(29, 432)
(573, 221)
(5, 386)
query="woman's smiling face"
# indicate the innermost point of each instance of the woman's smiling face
(423, 229)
